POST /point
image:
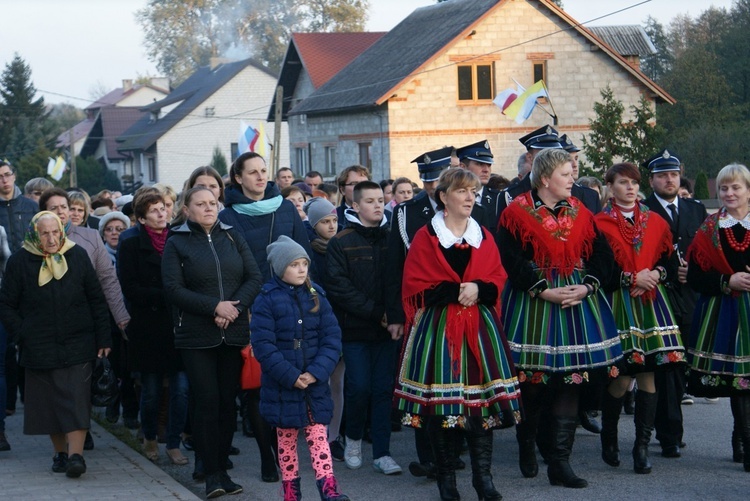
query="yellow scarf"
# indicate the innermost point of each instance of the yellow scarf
(53, 265)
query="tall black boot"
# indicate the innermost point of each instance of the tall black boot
(526, 432)
(738, 452)
(611, 407)
(645, 413)
(743, 406)
(559, 471)
(544, 436)
(480, 451)
(443, 448)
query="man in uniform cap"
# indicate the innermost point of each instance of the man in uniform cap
(684, 217)
(478, 159)
(573, 150)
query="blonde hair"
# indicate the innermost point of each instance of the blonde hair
(732, 172)
(454, 179)
(545, 163)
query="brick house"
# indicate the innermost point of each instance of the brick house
(430, 82)
(179, 133)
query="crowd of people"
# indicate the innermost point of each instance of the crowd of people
(468, 304)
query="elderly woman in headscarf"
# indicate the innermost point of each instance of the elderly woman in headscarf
(54, 309)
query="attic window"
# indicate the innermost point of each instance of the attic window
(475, 82)
(210, 111)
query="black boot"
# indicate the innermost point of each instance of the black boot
(247, 427)
(544, 438)
(443, 447)
(738, 452)
(526, 437)
(743, 404)
(480, 451)
(559, 471)
(611, 407)
(628, 403)
(645, 413)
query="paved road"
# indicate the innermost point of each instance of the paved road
(704, 472)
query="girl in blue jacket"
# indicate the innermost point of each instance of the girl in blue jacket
(297, 340)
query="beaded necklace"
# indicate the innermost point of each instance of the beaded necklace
(631, 233)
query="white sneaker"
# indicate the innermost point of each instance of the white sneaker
(386, 465)
(353, 454)
(687, 399)
(712, 400)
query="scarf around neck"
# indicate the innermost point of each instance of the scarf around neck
(259, 208)
(54, 266)
(158, 238)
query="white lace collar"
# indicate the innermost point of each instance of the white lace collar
(727, 221)
(472, 235)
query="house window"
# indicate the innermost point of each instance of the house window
(539, 71)
(364, 155)
(330, 161)
(234, 148)
(475, 82)
(152, 169)
(302, 161)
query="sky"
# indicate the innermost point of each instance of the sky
(74, 46)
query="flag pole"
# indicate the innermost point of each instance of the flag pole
(549, 100)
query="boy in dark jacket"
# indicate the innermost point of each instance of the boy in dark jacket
(356, 262)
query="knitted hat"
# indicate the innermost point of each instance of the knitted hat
(317, 208)
(109, 216)
(282, 252)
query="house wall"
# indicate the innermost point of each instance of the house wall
(190, 143)
(142, 97)
(576, 72)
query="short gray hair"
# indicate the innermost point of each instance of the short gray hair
(37, 184)
(732, 172)
(545, 164)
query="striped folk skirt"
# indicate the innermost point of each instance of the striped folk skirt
(648, 332)
(555, 345)
(458, 391)
(719, 346)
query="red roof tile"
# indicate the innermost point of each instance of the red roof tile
(325, 54)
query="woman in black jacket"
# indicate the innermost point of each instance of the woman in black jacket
(211, 278)
(151, 350)
(54, 309)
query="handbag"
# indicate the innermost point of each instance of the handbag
(250, 375)
(104, 387)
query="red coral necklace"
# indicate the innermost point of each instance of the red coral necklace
(631, 233)
(734, 244)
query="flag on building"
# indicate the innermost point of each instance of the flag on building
(506, 97)
(521, 108)
(56, 168)
(253, 139)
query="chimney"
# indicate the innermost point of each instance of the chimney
(127, 84)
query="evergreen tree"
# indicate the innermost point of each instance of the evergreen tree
(642, 137)
(23, 119)
(606, 140)
(33, 164)
(701, 186)
(219, 161)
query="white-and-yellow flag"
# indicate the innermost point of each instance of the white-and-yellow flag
(56, 168)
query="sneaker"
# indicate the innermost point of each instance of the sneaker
(337, 449)
(60, 462)
(4, 445)
(76, 466)
(353, 454)
(227, 484)
(712, 400)
(386, 465)
(687, 400)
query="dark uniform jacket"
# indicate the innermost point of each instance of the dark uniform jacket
(15, 215)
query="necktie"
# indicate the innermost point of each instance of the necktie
(675, 219)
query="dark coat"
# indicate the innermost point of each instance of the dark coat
(15, 216)
(260, 231)
(356, 267)
(64, 322)
(150, 334)
(589, 197)
(281, 315)
(200, 270)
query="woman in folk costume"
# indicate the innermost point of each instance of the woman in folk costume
(456, 371)
(718, 269)
(559, 326)
(642, 244)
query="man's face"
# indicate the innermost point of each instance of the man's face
(313, 182)
(666, 184)
(352, 179)
(7, 182)
(284, 178)
(574, 163)
(482, 170)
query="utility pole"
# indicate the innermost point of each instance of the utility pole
(73, 173)
(277, 129)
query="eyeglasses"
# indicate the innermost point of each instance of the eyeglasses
(36, 193)
(116, 229)
(352, 184)
(7, 175)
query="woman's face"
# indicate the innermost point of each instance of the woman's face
(203, 209)
(210, 183)
(169, 207)
(49, 235)
(735, 195)
(298, 199)
(326, 227)
(403, 192)
(77, 213)
(156, 217)
(112, 232)
(624, 190)
(253, 178)
(560, 182)
(459, 202)
(59, 205)
(388, 193)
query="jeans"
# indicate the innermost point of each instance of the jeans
(151, 390)
(214, 375)
(3, 387)
(368, 380)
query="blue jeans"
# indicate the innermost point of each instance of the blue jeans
(3, 387)
(151, 390)
(368, 381)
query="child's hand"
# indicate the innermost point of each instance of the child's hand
(300, 383)
(308, 378)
